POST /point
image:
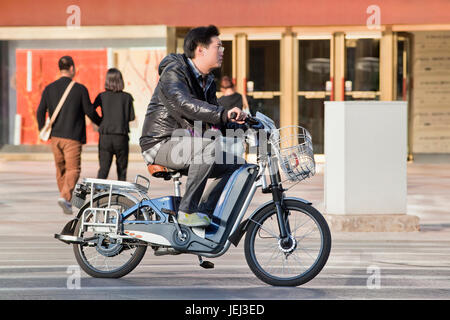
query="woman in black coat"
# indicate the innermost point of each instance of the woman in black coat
(117, 112)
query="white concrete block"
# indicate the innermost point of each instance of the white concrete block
(365, 157)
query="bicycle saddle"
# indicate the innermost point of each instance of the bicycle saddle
(158, 171)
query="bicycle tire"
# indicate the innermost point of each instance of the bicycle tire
(313, 271)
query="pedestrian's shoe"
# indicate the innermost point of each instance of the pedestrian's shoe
(65, 205)
(193, 219)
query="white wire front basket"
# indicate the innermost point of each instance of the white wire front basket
(294, 152)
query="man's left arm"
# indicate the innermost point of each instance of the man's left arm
(88, 107)
(225, 124)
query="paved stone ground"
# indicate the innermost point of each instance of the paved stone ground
(409, 265)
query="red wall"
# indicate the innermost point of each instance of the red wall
(223, 13)
(91, 67)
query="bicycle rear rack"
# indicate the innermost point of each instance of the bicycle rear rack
(108, 225)
(100, 220)
(91, 186)
(120, 186)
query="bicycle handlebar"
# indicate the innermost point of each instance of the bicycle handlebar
(249, 120)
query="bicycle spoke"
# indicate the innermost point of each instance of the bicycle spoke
(305, 236)
(307, 253)
(298, 259)
(106, 264)
(271, 257)
(273, 265)
(295, 231)
(271, 233)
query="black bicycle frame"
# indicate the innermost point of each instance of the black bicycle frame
(277, 191)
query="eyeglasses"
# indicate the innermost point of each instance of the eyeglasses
(220, 48)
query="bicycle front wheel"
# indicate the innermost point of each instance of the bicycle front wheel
(292, 262)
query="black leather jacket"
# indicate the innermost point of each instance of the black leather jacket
(178, 101)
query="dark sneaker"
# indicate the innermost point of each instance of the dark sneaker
(193, 219)
(65, 205)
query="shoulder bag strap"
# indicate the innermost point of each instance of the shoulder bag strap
(61, 102)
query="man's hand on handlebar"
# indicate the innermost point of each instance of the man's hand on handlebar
(236, 115)
(248, 120)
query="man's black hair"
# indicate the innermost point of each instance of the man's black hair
(198, 36)
(65, 63)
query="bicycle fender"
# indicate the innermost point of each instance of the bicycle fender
(237, 235)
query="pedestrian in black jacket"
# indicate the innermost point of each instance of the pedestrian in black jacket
(185, 94)
(117, 111)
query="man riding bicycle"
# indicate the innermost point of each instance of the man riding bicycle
(185, 95)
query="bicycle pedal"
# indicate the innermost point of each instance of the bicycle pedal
(207, 265)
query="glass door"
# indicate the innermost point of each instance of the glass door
(362, 79)
(314, 87)
(4, 101)
(403, 67)
(263, 82)
(403, 80)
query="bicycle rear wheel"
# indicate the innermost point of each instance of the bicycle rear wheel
(105, 257)
(293, 262)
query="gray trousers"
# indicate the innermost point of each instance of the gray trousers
(203, 159)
